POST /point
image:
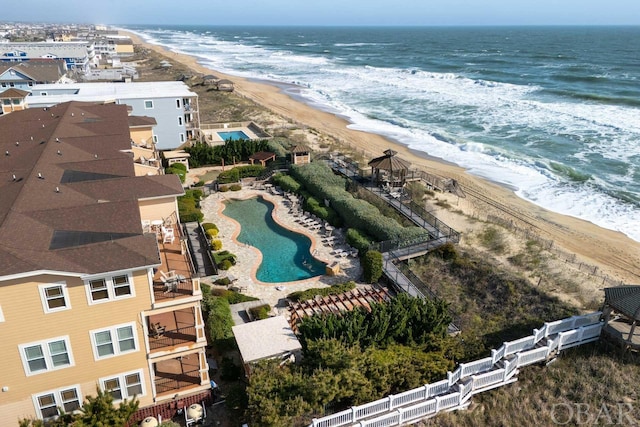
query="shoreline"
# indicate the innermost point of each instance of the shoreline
(612, 252)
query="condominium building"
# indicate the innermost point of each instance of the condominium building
(172, 104)
(97, 288)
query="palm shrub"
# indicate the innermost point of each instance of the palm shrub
(372, 266)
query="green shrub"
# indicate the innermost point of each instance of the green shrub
(250, 171)
(261, 312)
(189, 206)
(199, 184)
(313, 292)
(372, 266)
(211, 233)
(235, 187)
(182, 174)
(225, 264)
(216, 244)
(208, 226)
(179, 166)
(286, 182)
(358, 240)
(223, 189)
(232, 296)
(229, 176)
(223, 281)
(218, 257)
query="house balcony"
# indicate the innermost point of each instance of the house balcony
(181, 329)
(186, 373)
(177, 265)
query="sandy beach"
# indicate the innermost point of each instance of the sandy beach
(613, 254)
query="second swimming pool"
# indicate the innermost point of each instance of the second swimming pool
(286, 255)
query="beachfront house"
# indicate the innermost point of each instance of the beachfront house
(78, 56)
(13, 100)
(97, 287)
(171, 104)
(23, 75)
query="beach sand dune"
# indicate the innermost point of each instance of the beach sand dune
(611, 254)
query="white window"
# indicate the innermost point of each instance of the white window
(44, 356)
(124, 386)
(114, 341)
(55, 297)
(47, 403)
(111, 288)
(148, 105)
(182, 137)
(177, 103)
(180, 120)
(155, 139)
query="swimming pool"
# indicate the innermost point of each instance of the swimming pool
(286, 254)
(234, 135)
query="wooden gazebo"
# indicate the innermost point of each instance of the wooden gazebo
(389, 169)
(300, 155)
(622, 314)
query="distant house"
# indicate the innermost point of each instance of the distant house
(24, 75)
(176, 156)
(13, 100)
(78, 56)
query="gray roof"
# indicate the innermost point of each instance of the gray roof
(40, 71)
(624, 299)
(69, 195)
(41, 49)
(390, 162)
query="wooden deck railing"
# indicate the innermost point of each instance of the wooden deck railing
(470, 378)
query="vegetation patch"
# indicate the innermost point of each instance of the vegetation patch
(313, 292)
(189, 206)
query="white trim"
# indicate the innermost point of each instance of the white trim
(65, 294)
(44, 345)
(27, 274)
(59, 401)
(1, 315)
(110, 287)
(113, 333)
(121, 383)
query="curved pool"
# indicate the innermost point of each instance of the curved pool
(286, 255)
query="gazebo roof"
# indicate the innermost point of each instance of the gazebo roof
(300, 149)
(625, 299)
(389, 162)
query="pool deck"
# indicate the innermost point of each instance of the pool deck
(249, 258)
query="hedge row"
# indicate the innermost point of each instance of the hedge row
(189, 206)
(322, 183)
(237, 173)
(331, 290)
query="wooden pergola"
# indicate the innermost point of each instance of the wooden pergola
(389, 169)
(622, 314)
(263, 157)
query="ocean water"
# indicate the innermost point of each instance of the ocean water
(553, 112)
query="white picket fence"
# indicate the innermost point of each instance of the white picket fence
(470, 378)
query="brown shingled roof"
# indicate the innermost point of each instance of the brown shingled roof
(39, 70)
(14, 93)
(135, 121)
(69, 195)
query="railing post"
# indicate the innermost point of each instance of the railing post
(390, 399)
(353, 414)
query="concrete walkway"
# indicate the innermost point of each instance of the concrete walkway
(248, 257)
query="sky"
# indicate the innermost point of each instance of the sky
(329, 12)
